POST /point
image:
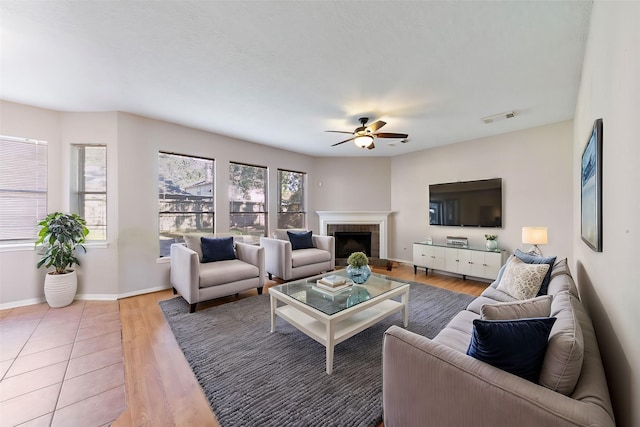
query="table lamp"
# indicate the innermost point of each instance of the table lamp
(534, 236)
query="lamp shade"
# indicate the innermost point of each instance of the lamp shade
(534, 235)
(363, 141)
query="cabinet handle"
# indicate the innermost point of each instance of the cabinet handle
(484, 265)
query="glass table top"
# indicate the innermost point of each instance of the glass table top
(329, 302)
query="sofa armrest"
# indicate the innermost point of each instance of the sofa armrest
(277, 257)
(185, 272)
(326, 243)
(253, 255)
(426, 380)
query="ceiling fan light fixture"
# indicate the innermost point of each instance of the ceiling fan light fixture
(363, 141)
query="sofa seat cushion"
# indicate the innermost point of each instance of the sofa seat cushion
(565, 351)
(457, 333)
(222, 272)
(303, 257)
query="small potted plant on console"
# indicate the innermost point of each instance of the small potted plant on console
(492, 242)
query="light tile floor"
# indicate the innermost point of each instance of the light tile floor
(61, 366)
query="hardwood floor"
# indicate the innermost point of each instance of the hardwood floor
(161, 390)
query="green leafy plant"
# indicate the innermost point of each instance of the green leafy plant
(490, 236)
(358, 259)
(59, 236)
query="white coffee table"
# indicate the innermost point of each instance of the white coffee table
(331, 318)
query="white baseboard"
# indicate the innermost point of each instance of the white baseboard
(22, 303)
(85, 297)
(96, 297)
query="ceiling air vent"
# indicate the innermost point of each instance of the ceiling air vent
(501, 116)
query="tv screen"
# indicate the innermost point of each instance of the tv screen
(466, 204)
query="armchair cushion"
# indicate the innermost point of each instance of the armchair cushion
(217, 249)
(300, 240)
(309, 256)
(193, 242)
(221, 272)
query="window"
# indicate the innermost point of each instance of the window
(291, 203)
(23, 188)
(247, 199)
(89, 187)
(185, 197)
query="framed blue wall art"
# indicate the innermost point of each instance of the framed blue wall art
(591, 189)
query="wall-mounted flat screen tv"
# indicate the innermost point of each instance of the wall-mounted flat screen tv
(467, 203)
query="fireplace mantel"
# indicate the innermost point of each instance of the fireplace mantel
(358, 217)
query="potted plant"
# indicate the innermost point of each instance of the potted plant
(358, 268)
(492, 242)
(60, 234)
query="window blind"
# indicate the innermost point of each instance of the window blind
(23, 188)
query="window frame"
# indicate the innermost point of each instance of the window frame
(264, 213)
(211, 212)
(304, 198)
(77, 203)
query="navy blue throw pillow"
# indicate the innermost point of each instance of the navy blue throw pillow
(300, 240)
(535, 259)
(515, 346)
(217, 249)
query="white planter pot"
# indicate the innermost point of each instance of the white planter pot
(60, 289)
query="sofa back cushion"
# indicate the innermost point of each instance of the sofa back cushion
(535, 307)
(217, 249)
(561, 279)
(565, 351)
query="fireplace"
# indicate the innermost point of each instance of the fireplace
(348, 242)
(373, 222)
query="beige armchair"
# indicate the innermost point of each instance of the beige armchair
(288, 264)
(197, 281)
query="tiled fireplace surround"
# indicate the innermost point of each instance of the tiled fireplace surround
(375, 222)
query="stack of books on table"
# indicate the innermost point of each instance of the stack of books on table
(333, 283)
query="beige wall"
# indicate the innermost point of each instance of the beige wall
(352, 184)
(609, 281)
(127, 263)
(536, 179)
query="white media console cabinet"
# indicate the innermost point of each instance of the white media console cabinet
(468, 261)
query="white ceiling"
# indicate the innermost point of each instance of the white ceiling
(280, 73)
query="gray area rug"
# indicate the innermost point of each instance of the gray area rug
(252, 377)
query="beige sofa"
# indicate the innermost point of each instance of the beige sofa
(433, 382)
(287, 264)
(197, 281)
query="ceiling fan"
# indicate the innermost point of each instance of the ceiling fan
(364, 135)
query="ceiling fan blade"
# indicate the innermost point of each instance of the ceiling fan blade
(390, 135)
(371, 146)
(342, 142)
(376, 125)
(339, 131)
